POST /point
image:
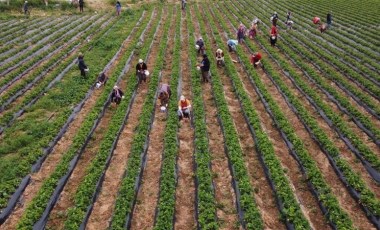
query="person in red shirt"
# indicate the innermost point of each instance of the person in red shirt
(316, 20)
(255, 59)
(273, 35)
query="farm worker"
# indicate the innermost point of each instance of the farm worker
(82, 66)
(25, 7)
(288, 15)
(184, 106)
(183, 4)
(255, 59)
(232, 45)
(164, 94)
(322, 27)
(117, 95)
(118, 8)
(274, 18)
(329, 19)
(241, 33)
(273, 35)
(205, 68)
(289, 24)
(316, 20)
(81, 4)
(200, 45)
(141, 69)
(253, 31)
(102, 79)
(219, 55)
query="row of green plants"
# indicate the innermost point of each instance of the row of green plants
(127, 193)
(329, 54)
(41, 70)
(250, 215)
(37, 206)
(165, 210)
(339, 40)
(22, 64)
(11, 112)
(24, 142)
(205, 195)
(335, 214)
(31, 55)
(12, 26)
(367, 197)
(337, 120)
(32, 96)
(289, 207)
(22, 39)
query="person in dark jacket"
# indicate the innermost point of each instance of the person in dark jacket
(200, 46)
(26, 8)
(118, 8)
(81, 4)
(102, 80)
(288, 16)
(82, 66)
(205, 68)
(329, 19)
(274, 18)
(141, 67)
(117, 95)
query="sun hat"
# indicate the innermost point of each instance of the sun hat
(219, 50)
(115, 87)
(182, 98)
(141, 61)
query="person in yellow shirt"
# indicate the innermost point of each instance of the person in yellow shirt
(184, 106)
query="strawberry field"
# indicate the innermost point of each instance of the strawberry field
(292, 145)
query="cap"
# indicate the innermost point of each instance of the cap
(115, 87)
(141, 61)
(200, 38)
(182, 98)
(219, 50)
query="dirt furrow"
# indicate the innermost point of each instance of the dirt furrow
(144, 211)
(185, 191)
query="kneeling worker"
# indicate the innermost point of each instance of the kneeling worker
(183, 108)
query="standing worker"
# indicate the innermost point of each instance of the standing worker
(205, 68)
(273, 35)
(82, 66)
(26, 8)
(241, 33)
(288, 16)
(329, 19)
(118, 8)
(183, 4)
(81, 4)
(274, 19)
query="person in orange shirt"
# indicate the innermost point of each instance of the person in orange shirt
(184, 106)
